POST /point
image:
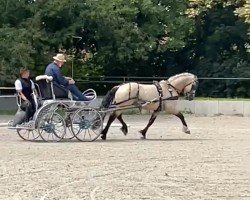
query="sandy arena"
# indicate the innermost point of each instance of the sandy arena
(211, 163)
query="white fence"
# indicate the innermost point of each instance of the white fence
(215, 107)
(197, 107)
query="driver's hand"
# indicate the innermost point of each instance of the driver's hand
(71, 81)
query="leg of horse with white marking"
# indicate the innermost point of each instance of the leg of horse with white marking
(105, 130)
(124, 127)
(151, 121)
(185, 127)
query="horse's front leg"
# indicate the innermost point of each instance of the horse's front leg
(185, 127)
(124, 127)
(151, 121)
(105, 130)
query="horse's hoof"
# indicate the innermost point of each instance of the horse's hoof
(186, 130)
(103, 137)
(124, 130)
(143, 137)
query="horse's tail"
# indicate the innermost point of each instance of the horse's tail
(107, 100)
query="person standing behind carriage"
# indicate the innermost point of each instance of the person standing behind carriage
(25, 87)
(53, 69)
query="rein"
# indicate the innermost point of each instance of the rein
(139, 105)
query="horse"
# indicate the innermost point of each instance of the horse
(156, 97)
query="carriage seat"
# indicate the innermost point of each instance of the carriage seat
(48, 89)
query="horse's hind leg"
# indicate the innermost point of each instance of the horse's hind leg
(124, 127)
(151, 121)
(105, 130)
(185, 127)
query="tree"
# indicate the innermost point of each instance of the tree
(133, 38)
(16, 48)
(244, 11)
(128, 33)
(221, 48)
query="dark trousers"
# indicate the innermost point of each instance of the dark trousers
(77, 94)
(30, 110)
(24, 113)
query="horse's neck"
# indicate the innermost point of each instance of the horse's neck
(179, 83)
(167, 89)
(176, 83)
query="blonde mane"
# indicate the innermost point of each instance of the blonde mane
(179, 75)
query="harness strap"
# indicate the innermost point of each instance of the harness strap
(178, 92)
(170, 89)
(129, 93)
(129, 96)
(159, 89)
(138, 91)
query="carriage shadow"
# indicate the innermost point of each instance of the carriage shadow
(124, 140)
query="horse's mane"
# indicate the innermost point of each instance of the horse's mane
(179, 75)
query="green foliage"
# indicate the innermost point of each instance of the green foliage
(222, 51)
(130, 32)
(132, 38)
(244, 11)
(15, 51)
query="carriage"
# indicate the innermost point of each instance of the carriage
(57, 116)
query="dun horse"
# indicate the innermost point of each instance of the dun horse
(160, 96)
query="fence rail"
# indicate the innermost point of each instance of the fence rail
(7, 91)
(156, 77)
(221, 87)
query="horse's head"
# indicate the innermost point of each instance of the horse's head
(185, 83)
(191, 88)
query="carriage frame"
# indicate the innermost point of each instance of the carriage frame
(58, 117)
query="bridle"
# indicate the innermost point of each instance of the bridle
(193, 88)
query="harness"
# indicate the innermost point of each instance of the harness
(160, 92)
(129, 95)
(159, 89)
(179, 92)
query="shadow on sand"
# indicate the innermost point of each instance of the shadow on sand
(138, 140)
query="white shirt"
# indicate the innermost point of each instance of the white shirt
(18, 85)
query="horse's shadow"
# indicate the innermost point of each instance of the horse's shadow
(149, 140)
(124, 140)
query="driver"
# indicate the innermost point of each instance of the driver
(54, 70)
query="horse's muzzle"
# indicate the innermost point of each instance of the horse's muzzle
(190, 97)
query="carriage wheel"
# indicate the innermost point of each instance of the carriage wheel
(67, 117)
(51, 127)
(69, 134)
(87, 124)
(28, 135)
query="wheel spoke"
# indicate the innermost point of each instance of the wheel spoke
(94, 132)
(28, 135)
(83, 122)
(52, 127)
(84, 134)
(89, 134)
